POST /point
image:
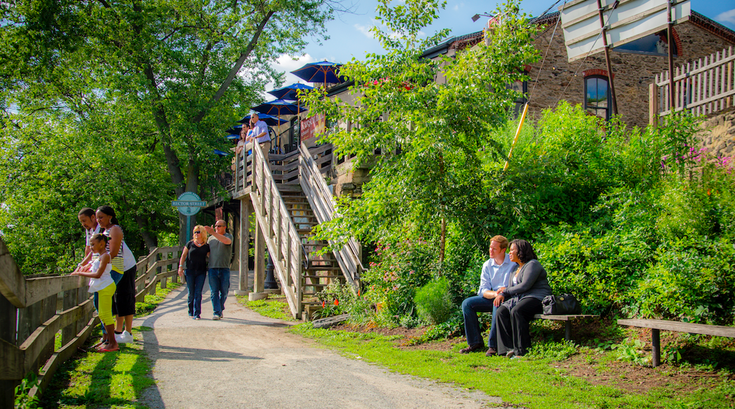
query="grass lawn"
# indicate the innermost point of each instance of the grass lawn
(109, 380)
(558, 374)
(535, 382)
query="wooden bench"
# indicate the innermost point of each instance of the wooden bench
(657, 325)
(567, 321)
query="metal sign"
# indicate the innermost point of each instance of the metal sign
(626, 21)
(189, 203)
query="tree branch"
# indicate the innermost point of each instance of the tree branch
(235, 69)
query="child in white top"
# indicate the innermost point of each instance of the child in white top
(102, 283)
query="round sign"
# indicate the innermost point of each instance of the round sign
(189, 203)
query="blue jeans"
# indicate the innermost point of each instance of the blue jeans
(195, 284)
(470, 308)
(219, 286)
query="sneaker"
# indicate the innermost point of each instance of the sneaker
(124, 338)
(216, 317)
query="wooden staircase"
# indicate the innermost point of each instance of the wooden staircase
(320, 270)
(289, 197)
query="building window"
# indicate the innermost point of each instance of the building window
(653, 44)
(597, 96)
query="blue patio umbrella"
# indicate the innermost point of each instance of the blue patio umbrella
(278, 107)
(220, 153)
(289, 92)
(268, 119)
(323, 72)
(233, 137)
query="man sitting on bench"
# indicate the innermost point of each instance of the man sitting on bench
(494, 277)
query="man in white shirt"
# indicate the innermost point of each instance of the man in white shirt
(494, 277)
(88, 219)
(260, 134)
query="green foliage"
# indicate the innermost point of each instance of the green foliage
(391, 282)
(339, 299)
(22, 399)
(120, 104)
(434, 301)
(273, 308)
(556, 351)
(631, 350)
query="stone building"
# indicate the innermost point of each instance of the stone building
(634, 66)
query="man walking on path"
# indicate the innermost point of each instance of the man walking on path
(220, 245)
(495, 274)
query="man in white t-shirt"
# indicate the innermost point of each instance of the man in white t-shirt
(89, 221)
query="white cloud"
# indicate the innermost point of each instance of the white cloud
(726, 17)
(365, 30)
(286, 63)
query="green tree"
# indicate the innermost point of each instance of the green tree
(431, 120)
(120, 102)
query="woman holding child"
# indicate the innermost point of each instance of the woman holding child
(521, 300)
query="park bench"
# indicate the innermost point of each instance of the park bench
(657, 325)
(567, 321)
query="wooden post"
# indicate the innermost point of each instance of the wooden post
(655, 347)
(7, 334)
(245, 211)
(613, 99)
(653, 105)
(258, 290)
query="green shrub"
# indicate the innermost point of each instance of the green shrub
(434, 302)
(557, 351)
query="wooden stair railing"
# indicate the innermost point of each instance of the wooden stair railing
(320, 199)
(281, 236)
(34, 310)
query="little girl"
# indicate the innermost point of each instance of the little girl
(102, 283)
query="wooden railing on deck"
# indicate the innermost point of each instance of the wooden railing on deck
(34, 310)
(280, 234)
(321, 201)
(702, 87)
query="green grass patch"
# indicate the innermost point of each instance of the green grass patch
(106, 380)
(529, 382)
(272, 307)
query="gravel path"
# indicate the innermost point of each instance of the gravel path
(249, 361)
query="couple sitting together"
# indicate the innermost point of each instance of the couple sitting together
(512, 286)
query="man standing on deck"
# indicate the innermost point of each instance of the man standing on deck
(260, 133)
(220, 253)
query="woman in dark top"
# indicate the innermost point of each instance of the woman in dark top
(520, 300)
(195, 254)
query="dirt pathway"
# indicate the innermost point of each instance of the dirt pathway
(249, 361)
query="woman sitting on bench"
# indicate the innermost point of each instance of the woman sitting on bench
(521, 300)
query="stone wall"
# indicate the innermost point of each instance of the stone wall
(718, 134)
(633, 73)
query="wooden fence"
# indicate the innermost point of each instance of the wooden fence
(34, 311)
(701, 87)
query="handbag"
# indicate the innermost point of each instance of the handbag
(565, 304)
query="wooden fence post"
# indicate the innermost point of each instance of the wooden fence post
(653, 105)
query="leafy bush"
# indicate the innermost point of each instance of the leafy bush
(557, 351)
(434, 302)
(339, 299)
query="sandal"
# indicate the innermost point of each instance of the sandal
(491, 351)
(108, 350)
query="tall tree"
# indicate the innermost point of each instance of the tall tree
(149, 83)
(431, 119)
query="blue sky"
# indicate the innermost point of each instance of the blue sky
(350, 36)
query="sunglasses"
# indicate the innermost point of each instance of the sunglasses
(197, 232)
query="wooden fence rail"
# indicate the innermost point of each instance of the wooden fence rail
(701, 87)
(34, 310)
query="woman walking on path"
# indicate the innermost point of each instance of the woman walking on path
(195, 254)
(103, 287)
(521, 300)
(123, 263)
